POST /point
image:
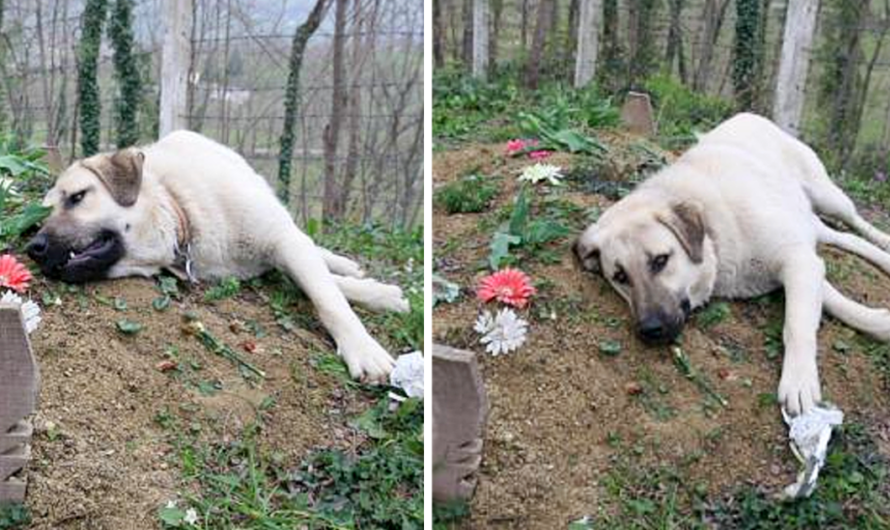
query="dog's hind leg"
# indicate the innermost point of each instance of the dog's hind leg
(341, 265)
(373, 294)
(869, 320)
(856, 245)
(830, 201)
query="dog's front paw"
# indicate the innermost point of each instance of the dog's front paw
(391, 298)
(799, 388)
(367, 361)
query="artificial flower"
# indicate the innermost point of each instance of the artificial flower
(13, 275)
(191, 517)
(540, 154)
(509, 286)
(502, 332)
(30, 310)
(408, 374)
(540, 172)
(514, 146)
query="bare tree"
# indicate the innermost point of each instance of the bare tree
(438, 35)
(292, 96)
(714, 12)
(533, 67)
(332, 209)
(674, 51)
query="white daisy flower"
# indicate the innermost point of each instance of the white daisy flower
(30, 310)
(191, 517)
(541, 172)
(503, 332)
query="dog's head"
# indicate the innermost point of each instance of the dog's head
(656, 257)
(93, 204)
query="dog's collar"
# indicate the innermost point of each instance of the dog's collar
(183, 228)
(183, 249)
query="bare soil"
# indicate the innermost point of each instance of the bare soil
(562, 411)
(101, 459)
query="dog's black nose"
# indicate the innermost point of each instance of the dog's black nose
(652, 329)
(38, 247)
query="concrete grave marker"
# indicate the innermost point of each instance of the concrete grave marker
(460, 413)
(637, 115)
(18, 399)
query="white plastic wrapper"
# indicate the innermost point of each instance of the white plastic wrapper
(809, 435)
(408, 374)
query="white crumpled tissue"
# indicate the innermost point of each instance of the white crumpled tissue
(809, 435)
(408, 374)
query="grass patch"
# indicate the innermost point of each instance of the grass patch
(14, 516)
(242, 485)
(852, 493)
(469, 194)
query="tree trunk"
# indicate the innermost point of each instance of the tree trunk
(331, 208)
(611, 69)
(714, 14)
(120, 29)
(438, 35)
(467, 43)
(292, 97)
(524, 26)
(571, 42)
(92, 21)
(533, 67)
(794, 62)
(747, 53)
(497, 10)
(355, 107)
(674, 51)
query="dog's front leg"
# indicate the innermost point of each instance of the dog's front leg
(802, 275)
(298, 256)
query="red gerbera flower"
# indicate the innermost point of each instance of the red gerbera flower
(13, 275)
(510, 286)
(539, 155)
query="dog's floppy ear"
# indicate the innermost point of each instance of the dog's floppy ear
(121, 173)
(685, 220)
(587, 256)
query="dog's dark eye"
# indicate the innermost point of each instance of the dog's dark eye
(75, 199)
(621, 277)
(658, 263)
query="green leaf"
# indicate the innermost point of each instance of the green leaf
(500, 248)
(128, 327)
(120, 304)
(171, 516)
(444, 290)
(540, 232)
(31, 215)
(161, 303)
(610, 348)
(519, 217)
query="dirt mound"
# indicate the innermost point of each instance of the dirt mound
(583, 393)
(102, 459)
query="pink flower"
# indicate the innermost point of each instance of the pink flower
(514, 146)
(509, 286)
(13, 275)
(539, 155)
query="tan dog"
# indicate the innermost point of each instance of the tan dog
(737, 216)
(193, 206)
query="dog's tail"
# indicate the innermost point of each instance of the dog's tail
(869, 320)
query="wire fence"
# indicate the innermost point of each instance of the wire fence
(238, 70)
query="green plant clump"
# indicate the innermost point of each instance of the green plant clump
(470, 194)
(681, 112)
